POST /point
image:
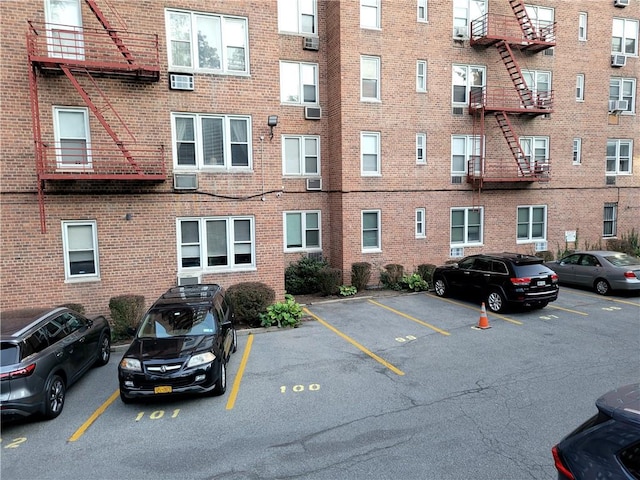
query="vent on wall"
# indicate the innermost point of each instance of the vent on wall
(540, 246)
(314, 184)
(456, 179)
(549, 52)
(456, 252)
(610, 180)
(618, 60)
(621, 3)
(185, 181)
(457, 111)
(312, 113)
(310, 43)
(181, 82)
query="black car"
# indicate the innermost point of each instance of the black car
(182, 345)
(499, 279)
(43, 352)
(608, 444)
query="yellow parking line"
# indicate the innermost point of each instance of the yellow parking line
(356, 344)
(568, 310)
(236, 384)
(600, 297)
(496, 315)
(78, 433)
(443, 332)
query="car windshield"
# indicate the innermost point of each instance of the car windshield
(177, 321)
(623, 260)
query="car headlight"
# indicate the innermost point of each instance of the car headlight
(132, 364)
(201, 359)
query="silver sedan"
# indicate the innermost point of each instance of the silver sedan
(601, 270)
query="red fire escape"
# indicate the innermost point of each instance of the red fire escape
(508, 34)
(83, 54)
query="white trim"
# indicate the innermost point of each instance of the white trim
(303, 229)
(301, 139)
(69, 276)
(466, 242)
(530, 238)
(369, 173)
(376, 60)
(57, 138)
(421, 223)
(377, 248)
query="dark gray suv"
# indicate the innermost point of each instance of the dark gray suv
(43, 352)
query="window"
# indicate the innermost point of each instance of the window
(302, 231)
(299, 83)
(216, 243)
(610, 225)
(467, 80)
(199, 42)
(421, 231)
(73, 143)
(577, 151)
(370, 152)
(301, 155)
(542, 19)
(463, 149)
(370, 78)
(532, 223)
(619, 157)
(536, 151)
(539, 82)
(298, 16)
(623, 89)
(80, 244)
(371, 230)
(422, 10)
(582, 26)
(580, 87)
(421, 148)
(464, 11)
(466, 226)
(421, 76)
(210, 141)
(624, 37)
(370, 13)
(64, 35)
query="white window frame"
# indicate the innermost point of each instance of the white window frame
(304, 229)
(421, 148)
(624, 89)
(422, 12)
(370, 9)
(465, 11)
(610, 220)
(69, 249)
(231, 244)
(466, 242)
(471, 147)
(421, 224)
(84, 159)
(200, 164)
(292, 15)
(617, 160)
(300, 155)
(421, 76)
(530, 222)
(226, 41)
(464, 73)
(531, 146)
(580, 87)
(541, 18)
(367, 63)
(295, 76)
(582, 26)
(65, 35)
(625, 29)
(536, 80)
(363, 151)
(577, 151)
(377, 230)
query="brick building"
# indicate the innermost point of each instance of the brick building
(153, 142)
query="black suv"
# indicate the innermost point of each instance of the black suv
(182, 345)
(499, 279)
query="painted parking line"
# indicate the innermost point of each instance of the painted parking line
(354, 343)
(475, 309)
(555, 307)
(600, 297)
(83, 428)
(236, 383)
(409, 317)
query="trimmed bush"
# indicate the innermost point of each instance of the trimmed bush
(126, 312)
(76, 307)
(301, 278)
(391, 276)
(425, 270)
(360, 275)
(249, 300)
(329, 280)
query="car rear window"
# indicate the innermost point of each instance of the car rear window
(8, 353)
(630, 458)
(531, 270)
(623, 260)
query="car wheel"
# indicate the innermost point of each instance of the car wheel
(495, 301)
(105, 350)
(54, 399)
(235, 341)
(221, 384)
(125, 399)
(440, 287)
(601, 286)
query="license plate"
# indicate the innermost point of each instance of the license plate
(541, 283)
(162, 389)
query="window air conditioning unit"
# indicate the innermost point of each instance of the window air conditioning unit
(610, 180)
(456, 252)
(314, 184)
(460, 33)
(312, 113)
(541, 246)
(618, 60)
(180, 82)
(188, 280)
(185, 181)
(620, 3)
(310, 43)
(457, 111)
(618, 105)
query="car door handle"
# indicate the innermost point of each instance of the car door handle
(81, 340)
(59, 354)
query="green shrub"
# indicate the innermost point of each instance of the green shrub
(391, 276)
(545, 255)
(627, 243)
(76, 307)
(283, 314)
(329, 280)
(360, 275)
(414, 282)
(126, 312)
(249, 300)
(347, 290)
(425, 270)
(301, 278)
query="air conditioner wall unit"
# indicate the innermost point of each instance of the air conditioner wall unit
(314, 184)
(541, 246)
(620, 3)
(456, 179)
(188, 280)
(618, 60)
(456, 252)
(181, 82)
(310, 43)
(312, 113)
(185, 181)
(460, 33)
(618, 105)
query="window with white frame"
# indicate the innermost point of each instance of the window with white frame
(542, 19)
(298, 16)
(466, 226)
(72, 139)
(465, 11)
(463, 149)
(421, 75)
(624, 36)
(619, 153)
(202, 42)
(301, 155)
(577, 151)
(370, 153)
(64, 34)
(302, 231)
(421, 148)
(610, 224)
(369, 78)
(421, 230)
(468, 81)
(371, 239)
(80, 246)
(536, 151)
(582, 26)
(211, 141)
(299, 83)
(422, 11)
(532, 223)
(580, 87)
(539, 83)
(623, 89)
(370, 13)
(216, 243)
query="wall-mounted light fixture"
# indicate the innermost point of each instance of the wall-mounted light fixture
(272, 121)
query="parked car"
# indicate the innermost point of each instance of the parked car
(499, 279)
(608, 444)
(601, 270)
(182, 345)
(43, 352)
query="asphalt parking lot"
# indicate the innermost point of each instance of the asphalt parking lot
(391, 387)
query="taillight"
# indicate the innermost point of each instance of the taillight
(629, 274)
(21, 372)
(554, 278)
(521, 282)
(560, 466)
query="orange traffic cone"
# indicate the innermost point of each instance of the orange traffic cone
(484, 320)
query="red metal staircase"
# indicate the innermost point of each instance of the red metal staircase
(524, 168)
(506, 54)
(522, 16)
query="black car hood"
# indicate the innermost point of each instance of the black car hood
(148, 348)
